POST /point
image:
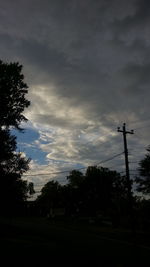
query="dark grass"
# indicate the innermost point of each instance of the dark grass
(39, 242)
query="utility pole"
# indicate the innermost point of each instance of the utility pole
(130, 200)
(126, 158)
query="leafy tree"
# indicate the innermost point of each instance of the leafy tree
(75, 178)
(143, 181)
(12, 164)
(50, 196)
(99, 190)
(12, 95)
(7, 145)
(75, 192)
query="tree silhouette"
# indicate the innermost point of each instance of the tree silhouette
(143, 181)
(12, 164)
(50, 197)
(100, 190)
(12, 95)
(75, 178)
(99, 184)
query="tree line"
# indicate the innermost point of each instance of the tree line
(13, 165)
(98, 193)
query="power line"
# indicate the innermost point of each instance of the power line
(66, 171)
(143, 127)
(105, 135)
(110, 158)
(83, 167)
(117, 165)
(140, 121)
(95, 139)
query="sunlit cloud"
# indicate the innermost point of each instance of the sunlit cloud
(87, 66)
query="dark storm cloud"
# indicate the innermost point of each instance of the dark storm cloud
(139, 76)
(75, 45)
(140, 16)
(52, 120)
(87, 64)
(50, 60)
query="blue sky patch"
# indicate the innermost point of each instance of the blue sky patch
(25, 143)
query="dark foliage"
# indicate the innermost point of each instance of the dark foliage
(12, 95)
(143, 181)
(12, 164)
(98, 192)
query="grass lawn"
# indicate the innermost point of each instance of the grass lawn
(39, 242)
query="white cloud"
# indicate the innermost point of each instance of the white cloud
(87, 65)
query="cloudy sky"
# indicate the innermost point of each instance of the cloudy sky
(87, 65)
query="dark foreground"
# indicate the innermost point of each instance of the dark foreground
(39, 242)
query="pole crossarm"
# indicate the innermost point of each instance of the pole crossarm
(126, 156)
(129, 186)
(124, 130)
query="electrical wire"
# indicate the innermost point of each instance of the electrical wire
(139, 121)
(66, 171)
(110, 158)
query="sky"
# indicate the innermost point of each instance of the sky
(87, 66)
